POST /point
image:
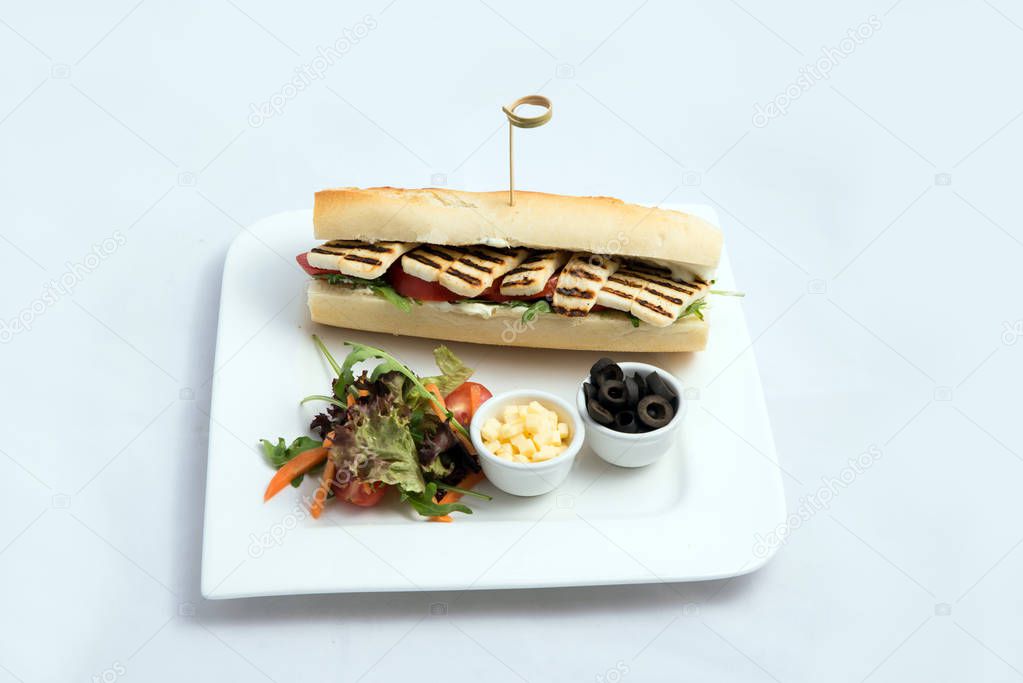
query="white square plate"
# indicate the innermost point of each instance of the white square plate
(691, 516)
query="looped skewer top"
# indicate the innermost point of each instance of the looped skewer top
(517, 121)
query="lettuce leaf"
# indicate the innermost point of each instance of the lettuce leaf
(375, 445)
(453, 371)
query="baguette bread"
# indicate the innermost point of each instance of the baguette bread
(360, 309)
(601, 225)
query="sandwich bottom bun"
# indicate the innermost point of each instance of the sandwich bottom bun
(361, 309)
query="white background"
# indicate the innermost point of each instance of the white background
(883, 296)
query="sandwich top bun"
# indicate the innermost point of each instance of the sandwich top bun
(601, 225)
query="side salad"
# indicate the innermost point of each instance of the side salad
(387, 428)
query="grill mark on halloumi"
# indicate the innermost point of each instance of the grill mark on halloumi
(576, 293)
(362, 259)
(648, 269)
(585, 274)
(422, 258)
(580, 282)
(367, 260)
(531, 276)
(463, 276)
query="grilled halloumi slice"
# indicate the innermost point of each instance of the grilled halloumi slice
(580, 281)
(621, 289)
(662, 301)
(367, 260)
(429, 261)
(531, 276)
(477, 268)
(647, 293)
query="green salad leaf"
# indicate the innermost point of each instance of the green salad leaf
(534, 309)
(453, 371)
(425, 503)
(380, 287)
(695, 308)
(375, 445)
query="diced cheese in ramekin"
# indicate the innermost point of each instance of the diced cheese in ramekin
(526, 433)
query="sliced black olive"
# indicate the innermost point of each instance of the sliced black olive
(599, 413)
(658, 386)
(589, 391)
(625, 421)
(641, 383)
(612, 373)
(632, 394)
(655, 411)
(598, 366)
(611, 395)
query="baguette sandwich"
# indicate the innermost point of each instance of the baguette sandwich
(551, 271)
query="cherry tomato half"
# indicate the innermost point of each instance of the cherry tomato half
(460, 401)
(359, 493)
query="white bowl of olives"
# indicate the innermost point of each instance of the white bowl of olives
(632, 411)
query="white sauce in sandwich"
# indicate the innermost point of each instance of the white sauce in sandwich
(479, 310)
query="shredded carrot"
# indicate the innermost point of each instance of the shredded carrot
(361, 392)
(320, 497)
(300, 464)
(453, 496)
(437, 405)
(440, 409)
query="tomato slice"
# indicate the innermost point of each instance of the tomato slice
(359, 493)
(411, 286)
(303, 260)
(461, 401)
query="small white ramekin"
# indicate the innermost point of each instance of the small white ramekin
(633, 450)
(527, 478)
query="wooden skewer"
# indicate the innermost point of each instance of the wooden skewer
(516, 121)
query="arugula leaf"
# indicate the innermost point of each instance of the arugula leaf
(361, 352)
(453, 371)
(634, 320)
(379, 287)
(326, 353)
(279, 453)
(388, 292)
(328, 399)
(536, 308)
(695, 308)
(465, 492)
(424, 503)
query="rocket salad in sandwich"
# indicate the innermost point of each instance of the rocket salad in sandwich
(387, 428)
